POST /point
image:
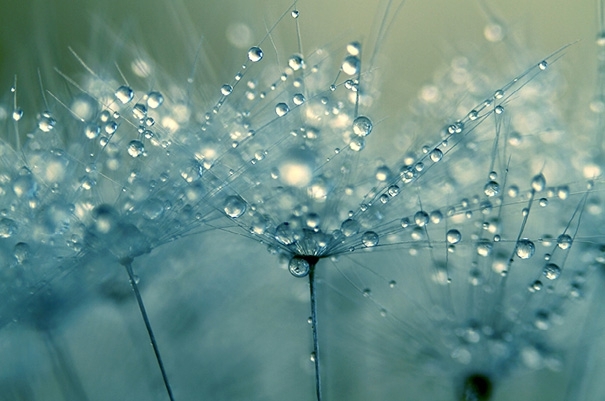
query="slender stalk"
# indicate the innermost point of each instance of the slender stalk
(313, 291)
(128, 265)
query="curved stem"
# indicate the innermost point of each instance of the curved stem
(154, 344)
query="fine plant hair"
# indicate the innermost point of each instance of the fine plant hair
(273, 228)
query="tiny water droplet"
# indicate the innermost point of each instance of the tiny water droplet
(350, 65)
(296, 62)
(538, 183)
(543, 65)
(17, 114)
(46, 122)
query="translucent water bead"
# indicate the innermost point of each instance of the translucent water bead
(525, 248)
(362, 126)
(124, 94)
(299, 267)
(234, 206)
(255, 54)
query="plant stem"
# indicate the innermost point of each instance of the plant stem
(154, 344)
(313, 289)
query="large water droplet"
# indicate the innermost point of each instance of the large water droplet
(349, 227)
(369, 239)
(538, 183)
(564, 241)
(421, 218)
(362, 126)
(551, 271)
(136, 148)
(296, 62)
(124, 94)
(155, 99)
(234, 206)
(46, 122)
(255, 54)
(8, 228)
(453, 236)
(281, 109)
(525, 249)
(350, 65)
(299, 267)
(492, 188)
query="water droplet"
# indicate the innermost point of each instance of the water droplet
(493, 32)
(139, 111)
(473, 115)
(155, 99)
(46, 122)
(551, 271)
(192, 171)
(295, 13)
(299, 267)
(543, 65)
(357, 144)
(124, 94)
(284, 234)
(369, 239)
(392, 284)
(453, 236)
(349, 227)
(298, 99)
(281, 109)
(255, 54)
(350, 65)
(538, 183)
(110, 127)
(564, 241)
(296, 62)
(17, 114)
(362, 126)
(234, 206)
(136, 148)
(8, 228)
(436, 155)
(542, 321)
(535, 286)
(421, 218)
(525, 248)
(492, 188)
(484, 248)
(226, 90)
(92, 131)
(499, 109)
(21, 252)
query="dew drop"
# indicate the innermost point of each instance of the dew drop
(350, 65)
(453, 236)
(155, 99)
(46, 122)
(564, 241)
(298, 99)
(543, 65)
(255, 54)
(538, 183)
(369, 239)
(492, 188)
(392, 284)
(299, 267)
(535, 286)
(21, 252)
(17, 114)
(124, 94)
(421, 218)
(362, 126)
(226, 90)
(295, 14)
(357, 144)
(284, 234)
(139, 111)
(296, 62)
(8, 228)
(551, 271)
(281, 109)
(499, 109)
(484, 248)
(349, 227)
(525, 248)
(136, 148)
(436, 155)
(234, 206)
